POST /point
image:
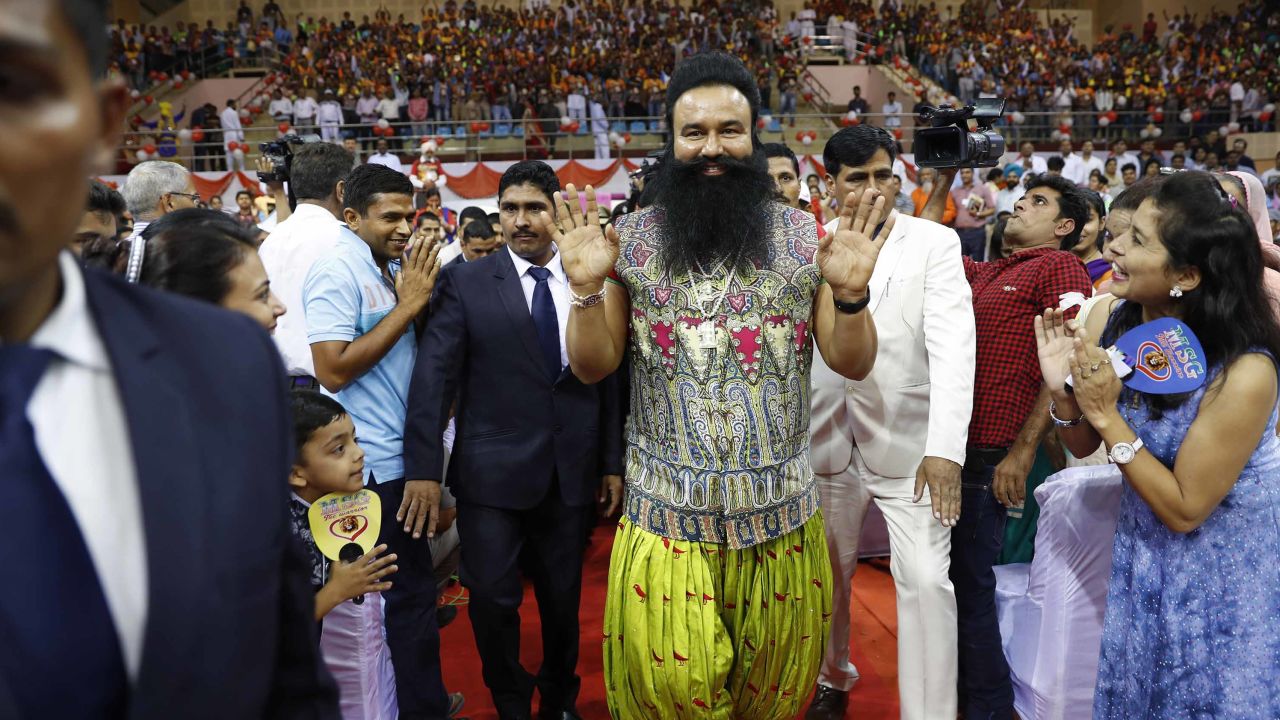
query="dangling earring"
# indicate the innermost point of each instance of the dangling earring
(1176, 292)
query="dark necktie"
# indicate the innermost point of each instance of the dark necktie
(61, 655)
(544, 319)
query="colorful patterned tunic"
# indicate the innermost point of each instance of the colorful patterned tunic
(718, 439)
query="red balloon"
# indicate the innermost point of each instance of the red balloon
(1112, 115)
(808, 97)
(197, 135)
(475, 127)
(626, 136)
(148, 99)
(760, 123)
(897, 133)
(177, 84)
(1264, 116)
(800, 136)
(1065, 129)
(149, 149)
(283, 127)
(573, 126)
(484, 127)
(1197, 116)
(1158, 117)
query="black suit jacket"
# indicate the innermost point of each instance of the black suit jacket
(229, 630)
(515, 427)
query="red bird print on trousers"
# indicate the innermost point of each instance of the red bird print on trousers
(640, 591)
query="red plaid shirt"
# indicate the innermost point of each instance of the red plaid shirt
(1007, 295)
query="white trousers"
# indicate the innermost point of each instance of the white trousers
(602, 146)
(920, 552)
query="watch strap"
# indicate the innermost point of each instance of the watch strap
(852, 308)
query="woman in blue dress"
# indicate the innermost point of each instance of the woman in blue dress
(1192, 626)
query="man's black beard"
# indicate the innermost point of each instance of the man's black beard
(715, 219)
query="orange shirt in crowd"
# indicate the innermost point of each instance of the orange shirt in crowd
(919, 197)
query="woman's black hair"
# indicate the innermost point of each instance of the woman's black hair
(191, 251)
(1229, 311)
(1094, 201)
(1147, 165)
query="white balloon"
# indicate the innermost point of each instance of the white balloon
(806, 140)
(184, 134)
(238, 154)
(1146, 133)
(1222, 130)
(1069, 122)
(141, 155)
(1269, 107)
(614, 137)
(1233, 127)
(767, 118)
(852, 115)
(1156, 132)
(1185, 117)
(1104, 121)
(1121, 101)
(1019, 118)
(244, 113)
(382, 123)
(1056, 135)
(135, 94)
(565, 120)
(431, 146)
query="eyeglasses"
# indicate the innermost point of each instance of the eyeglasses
(193, 197)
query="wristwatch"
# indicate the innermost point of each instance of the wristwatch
(1124, 453)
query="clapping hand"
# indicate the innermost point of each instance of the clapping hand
(587, 251)
(847, 257)
(418, 270)
(1055, 346)
(1096, 384)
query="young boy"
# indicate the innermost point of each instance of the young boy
(330, 460)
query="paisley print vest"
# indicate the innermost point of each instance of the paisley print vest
(718, 436)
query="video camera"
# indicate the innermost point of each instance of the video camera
(280, 153)
(950, 144)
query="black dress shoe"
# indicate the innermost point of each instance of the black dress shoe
(828, 704)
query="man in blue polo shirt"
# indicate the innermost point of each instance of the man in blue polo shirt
(361, 302)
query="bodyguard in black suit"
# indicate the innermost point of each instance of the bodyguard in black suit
(181, 594)
(532, 444)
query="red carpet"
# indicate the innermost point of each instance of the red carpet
(874, 645)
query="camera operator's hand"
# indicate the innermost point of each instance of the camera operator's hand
(275, 187)
(936, 206)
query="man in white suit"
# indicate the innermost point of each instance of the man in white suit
(898, 438)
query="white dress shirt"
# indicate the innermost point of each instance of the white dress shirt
(231, 129)
(450, 251)
(281, 109)
(83, 437)
(559, 285)
(305, 110)
(390, 160)
(288, 253)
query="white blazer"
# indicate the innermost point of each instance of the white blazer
(918, 398)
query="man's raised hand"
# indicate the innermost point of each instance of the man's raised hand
(848, 256)
(418, 271)
(587, 251)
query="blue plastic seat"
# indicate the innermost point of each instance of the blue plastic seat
(502, 130)
(655, 126)
(638, 127)
(518, 131)
(445, 131)
(775, 125)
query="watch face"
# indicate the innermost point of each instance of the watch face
(1123, 453)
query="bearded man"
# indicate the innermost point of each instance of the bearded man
(719, 585)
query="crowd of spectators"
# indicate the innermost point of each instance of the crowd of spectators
(1187, 74)
(463, 63)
